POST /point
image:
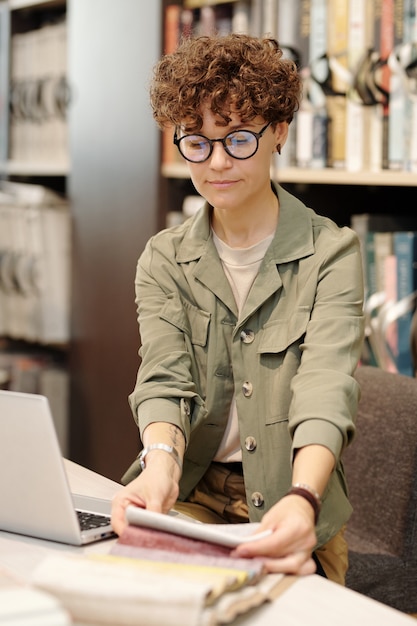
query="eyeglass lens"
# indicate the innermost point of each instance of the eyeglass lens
(240, 144)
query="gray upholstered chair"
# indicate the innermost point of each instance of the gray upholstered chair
(381, 469)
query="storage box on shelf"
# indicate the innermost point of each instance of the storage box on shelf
(35, 140)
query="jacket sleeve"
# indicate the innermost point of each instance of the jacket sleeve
(164, 389)
(324, 392)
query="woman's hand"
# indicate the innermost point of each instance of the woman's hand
(289, 548)
(155, 489)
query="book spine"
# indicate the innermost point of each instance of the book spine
(172, 25)
(241, 17)
(359, 223)
(288, 17)
(386, 47)
(355, 110)
(390, 289)
(4, 80)
(383, 247)
(398, 107)
(317, 51)
(304, 25)
(370, 263)
(338, 11)
(304, 132)
(410, 41)
(405, 249)
(374, 113)
(269, 18)
(256, 18)
(304, 135)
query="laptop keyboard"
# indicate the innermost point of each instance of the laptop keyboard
(92, 520)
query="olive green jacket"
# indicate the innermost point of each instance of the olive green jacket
(289, 358)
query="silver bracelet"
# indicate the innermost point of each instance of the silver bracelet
(159, 446)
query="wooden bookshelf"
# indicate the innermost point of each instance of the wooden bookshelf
(327, 176)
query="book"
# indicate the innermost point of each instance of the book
(256, 21)
(304, 26)
(172, 27)
(288, 16)
(241, 18)
(405, 249)
(383, 244)
(410, 83)
(228, 535)
(337, 45)
(154, 576)
(398, 124)
(314, 119)
(390, 328)
(4, 80)
(317, 53)
(386, 47)
(371, 280)
(359, 41)
(112, 590)
(269, 17)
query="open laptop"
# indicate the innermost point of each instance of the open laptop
(35, 497)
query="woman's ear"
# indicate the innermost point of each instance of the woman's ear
(281, 134)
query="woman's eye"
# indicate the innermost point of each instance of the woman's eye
(239, 139)
(197, 144)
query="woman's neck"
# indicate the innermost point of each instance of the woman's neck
(242, 229)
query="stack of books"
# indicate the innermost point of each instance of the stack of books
(389, 253)
(156, 574)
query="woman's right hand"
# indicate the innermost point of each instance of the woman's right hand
(155, 489)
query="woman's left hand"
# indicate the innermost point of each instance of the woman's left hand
(289, 548)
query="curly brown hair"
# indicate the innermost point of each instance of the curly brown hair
(231, 72)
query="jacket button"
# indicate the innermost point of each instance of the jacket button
(247, 335)
(250, 444)
(247, 389)
(257, 499)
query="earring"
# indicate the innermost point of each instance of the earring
(279, 148)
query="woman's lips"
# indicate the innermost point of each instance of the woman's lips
(222, 184)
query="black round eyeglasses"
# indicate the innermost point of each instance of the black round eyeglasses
(239, 144)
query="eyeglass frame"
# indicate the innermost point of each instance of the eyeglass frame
(177, 140)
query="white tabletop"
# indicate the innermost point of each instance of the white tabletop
(310, 600)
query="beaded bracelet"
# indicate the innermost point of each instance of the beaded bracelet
(309, 494)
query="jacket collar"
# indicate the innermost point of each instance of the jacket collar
(293, 238)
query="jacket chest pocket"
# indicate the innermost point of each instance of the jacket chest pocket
(193, 323)
(280, 355)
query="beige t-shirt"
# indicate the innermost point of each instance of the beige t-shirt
(241, 266)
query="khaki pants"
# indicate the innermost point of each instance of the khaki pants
(220, 498)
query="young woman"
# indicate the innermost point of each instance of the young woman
(251, 323)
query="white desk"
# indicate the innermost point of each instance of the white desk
(311, 600)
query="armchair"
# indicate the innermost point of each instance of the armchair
(381, 470)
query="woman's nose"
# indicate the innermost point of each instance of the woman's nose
(219, 158)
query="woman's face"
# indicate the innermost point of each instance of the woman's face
(233, 184)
